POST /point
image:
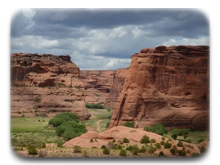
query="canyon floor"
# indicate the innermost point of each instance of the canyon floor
(26, 131)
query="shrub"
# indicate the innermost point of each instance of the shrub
(202, 149)
(167, 145)
(125, 140)
(103, 146)
(145, 139)
(91, 140)
(43, 145)
(123, 153)
(59, 143)
(174, 136)
(32, 150)
(180, 144)
(67, 125)
(181, 152)
(77, 149)
(129, 124)
(143, 149)
(180, 132)
(174, 150)
(94, 106)
(117, 147)
(161, 154)
(152, 140)
(195, 155)
(200, 140)
(135, 151)
(106, 151)
(151, 150)
(132, 147)
(157, 128)
(157, 145)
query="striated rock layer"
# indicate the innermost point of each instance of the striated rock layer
(44, 85)
(117, 86)
(97, 85)
(168, 85)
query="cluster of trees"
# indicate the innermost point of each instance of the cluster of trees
(180, 132)
(67, 125)
(157, 128)
(94, 106)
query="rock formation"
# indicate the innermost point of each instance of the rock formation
(45, 85)
(117, 86)
(168, 85)
(97, 84)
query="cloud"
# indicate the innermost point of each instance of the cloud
(104, 39)
(187, 41)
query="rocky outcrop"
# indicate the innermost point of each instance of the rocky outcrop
(168, 85)
(97, 85)
(117, 86)
(44, 85)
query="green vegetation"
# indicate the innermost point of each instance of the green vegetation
(180, 132)
(77, 149)
(94, 106)
(157, 128)
(125, 140)
(161, 154)
(145, 139)
(106, 151)
(181, 152)
(67, 125)
(157, 145)
(129, 124)
(202, 149)
(28, 131)
(151, 149)
(180, 144)
(123, 153)
(174, 150)
(200, 140)
(167, 145)
(32, 150)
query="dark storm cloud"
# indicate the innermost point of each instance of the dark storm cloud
(111, 33)
(59, 23)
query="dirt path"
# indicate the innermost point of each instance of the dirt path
(98, 125)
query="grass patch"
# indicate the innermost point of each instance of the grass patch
(28, 131)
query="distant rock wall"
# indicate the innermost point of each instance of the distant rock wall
(168, 85)
(44, 85)
(117, 86)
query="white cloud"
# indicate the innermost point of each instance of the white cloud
(187, 41)
(36, 42)
(28, 13)
(118, 32)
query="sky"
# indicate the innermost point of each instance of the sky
(104, 39)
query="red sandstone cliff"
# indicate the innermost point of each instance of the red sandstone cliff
(168, 85)
(45, 85)
(117, 86)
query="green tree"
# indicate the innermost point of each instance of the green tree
(145, 139)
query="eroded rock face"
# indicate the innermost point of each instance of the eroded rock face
(117, 86)
(45, 85)
(97, 85)
(168, 85)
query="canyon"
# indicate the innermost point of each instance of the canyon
(168, 85)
